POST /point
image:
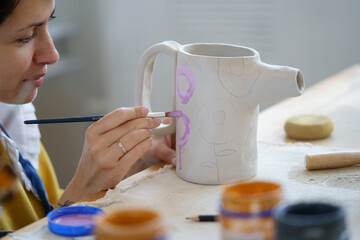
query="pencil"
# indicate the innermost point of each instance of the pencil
(204, 218)
(86, 118)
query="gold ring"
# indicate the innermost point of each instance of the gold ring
(122, 147)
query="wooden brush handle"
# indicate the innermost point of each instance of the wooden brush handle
(331, 160)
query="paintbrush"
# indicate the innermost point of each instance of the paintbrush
(89, 118)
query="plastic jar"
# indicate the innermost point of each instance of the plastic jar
(131, 224)
(247, 210)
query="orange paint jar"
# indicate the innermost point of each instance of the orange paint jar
(247, 210)
(131, 224)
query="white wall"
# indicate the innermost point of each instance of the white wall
(319, 37)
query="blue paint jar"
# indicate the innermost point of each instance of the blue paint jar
(310, 221)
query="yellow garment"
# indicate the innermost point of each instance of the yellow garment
(24, 208)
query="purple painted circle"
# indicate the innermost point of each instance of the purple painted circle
(181, 141)
(185, 96)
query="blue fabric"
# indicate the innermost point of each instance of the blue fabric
(35, 180)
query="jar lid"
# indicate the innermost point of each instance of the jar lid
(131, 223)
(73, 221)
(252, 197)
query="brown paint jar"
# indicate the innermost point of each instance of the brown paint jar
(247, 210)
(131, 224)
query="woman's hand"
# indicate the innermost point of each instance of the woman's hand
(103, 162)
(163, 147)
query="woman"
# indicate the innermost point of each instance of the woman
(112, 144)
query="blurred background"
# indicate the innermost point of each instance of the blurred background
(100, 43)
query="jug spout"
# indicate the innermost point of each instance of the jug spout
(276, 83)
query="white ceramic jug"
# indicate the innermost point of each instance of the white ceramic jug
(216, 98)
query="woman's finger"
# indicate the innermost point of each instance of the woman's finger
(133, 155)
(116, 118)
(167, 155)
(119, 132)
(124, 145)
(173, 140)
(167, 120)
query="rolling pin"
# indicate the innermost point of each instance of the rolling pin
(327, 160)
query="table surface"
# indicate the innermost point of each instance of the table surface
(337, 97)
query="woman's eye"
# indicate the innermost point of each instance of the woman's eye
(28, 39)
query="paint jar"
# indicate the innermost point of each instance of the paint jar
(247, 210)
(311, 221)
(131, 224)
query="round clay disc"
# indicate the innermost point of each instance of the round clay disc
(308, 127)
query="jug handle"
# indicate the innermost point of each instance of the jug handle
(143, 82)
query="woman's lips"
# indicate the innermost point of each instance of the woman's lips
(39, 82)
(36, 82)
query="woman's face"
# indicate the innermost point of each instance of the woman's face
(26, 48)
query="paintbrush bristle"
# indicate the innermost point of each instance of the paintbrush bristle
(172, 114)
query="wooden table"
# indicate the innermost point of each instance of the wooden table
(337, 97)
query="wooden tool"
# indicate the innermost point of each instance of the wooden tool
(331, 160)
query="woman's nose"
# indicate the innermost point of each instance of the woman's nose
(45, 52)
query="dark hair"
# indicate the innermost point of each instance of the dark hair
(6, 8)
